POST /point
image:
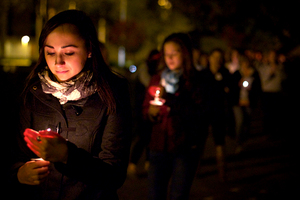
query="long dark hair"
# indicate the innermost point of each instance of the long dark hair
(184, 41)
(96, 63)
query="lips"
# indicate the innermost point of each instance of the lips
(170, 63)
(62, 72)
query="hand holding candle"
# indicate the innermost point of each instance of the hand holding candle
(47, 144)
(157, 93)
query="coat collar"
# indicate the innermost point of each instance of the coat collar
(48, 99)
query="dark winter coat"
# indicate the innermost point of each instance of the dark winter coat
(98, 145)
(217, 88)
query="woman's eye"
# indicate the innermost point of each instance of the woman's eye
(50, 53)
(70, 54)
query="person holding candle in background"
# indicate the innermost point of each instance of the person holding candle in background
(75, 116)
(170, 105)
(246, 92)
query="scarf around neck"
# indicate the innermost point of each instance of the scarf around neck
(75, 89)
(170, 80)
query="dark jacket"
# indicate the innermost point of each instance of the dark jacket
(98, 145)
(215, 89)
(218, 86)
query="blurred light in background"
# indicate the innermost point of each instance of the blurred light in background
(102, 30)
(25, 39)
(72, 5)
(165, 4)
(123, 10)
(121, 56)
(132, 68)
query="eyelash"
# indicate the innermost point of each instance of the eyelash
(50, 54)
(70, 54)
(67, 54)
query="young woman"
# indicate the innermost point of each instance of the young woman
(173, 149)
(75, 116)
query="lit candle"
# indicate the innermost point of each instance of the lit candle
(37, 159)
(157, 92)
(157, 101)
(245, 83)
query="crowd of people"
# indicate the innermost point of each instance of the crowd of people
(201, 94)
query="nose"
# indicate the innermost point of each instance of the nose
(59, 60)
(169, 57)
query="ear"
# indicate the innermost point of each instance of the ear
(90, 55)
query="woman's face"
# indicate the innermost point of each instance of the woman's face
(65, 52)
(173, 55)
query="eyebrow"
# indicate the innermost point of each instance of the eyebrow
(70, 45)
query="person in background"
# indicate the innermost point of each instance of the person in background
(217, 84)
(75, 120)
(233, 65)
(200, 59)
(203, 60)
(272, 75)
(258, 60)
(174, 150)
(245, 96)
